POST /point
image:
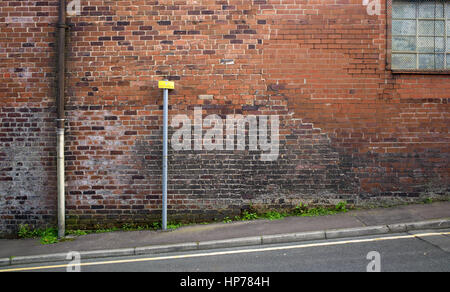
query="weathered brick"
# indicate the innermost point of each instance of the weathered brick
(349, 128)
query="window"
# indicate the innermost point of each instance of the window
(420, 31)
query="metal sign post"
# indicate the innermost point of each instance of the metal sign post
(165, 85)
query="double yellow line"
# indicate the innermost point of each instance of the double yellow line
(219, 253)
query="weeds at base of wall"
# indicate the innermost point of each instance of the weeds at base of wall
(300, 210)
(47, 236)
(50, 235)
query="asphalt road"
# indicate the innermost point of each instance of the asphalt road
(420, 251)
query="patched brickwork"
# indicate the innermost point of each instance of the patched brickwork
(27, 170)
(27, 114)
(349, 128)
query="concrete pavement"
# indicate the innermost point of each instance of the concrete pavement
(257, 232)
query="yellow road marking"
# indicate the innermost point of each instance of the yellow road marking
(231, 252)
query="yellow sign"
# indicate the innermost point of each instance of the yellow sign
(166, 84)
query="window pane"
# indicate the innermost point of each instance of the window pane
(439, 27)
(426, 27)
(403, 10)
(439, 61)
(404, 44)
(425, 44)
(431, 45)
(426, 61)
(448, 45)
(430, 27)
(404, 27)
(448, 61)
(439, 10)
(447, 9)
(439, 45)
(431, 9)
(403, 61)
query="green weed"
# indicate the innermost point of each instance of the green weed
(48, 236)
(274, 215)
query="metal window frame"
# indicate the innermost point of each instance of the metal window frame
(389, 49)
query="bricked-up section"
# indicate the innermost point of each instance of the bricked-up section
(349, 129)
(27, 177)
(27, 114)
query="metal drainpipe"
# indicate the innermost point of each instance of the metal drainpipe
(61, 118)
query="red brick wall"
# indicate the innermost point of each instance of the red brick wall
(27, 114)
(349, 128)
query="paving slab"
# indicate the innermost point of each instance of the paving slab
(401, 214)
